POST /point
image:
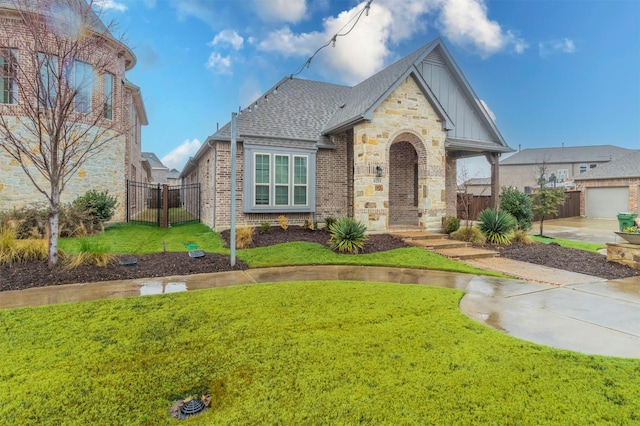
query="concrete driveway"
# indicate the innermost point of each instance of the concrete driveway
(580, 228)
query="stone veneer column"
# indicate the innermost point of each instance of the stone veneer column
(405, 115)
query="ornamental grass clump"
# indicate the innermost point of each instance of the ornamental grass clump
(470, 234)
(496, 225)
(347, 235)
(244, 236)
(89, 254)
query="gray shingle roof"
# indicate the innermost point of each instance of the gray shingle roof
(298, 111)
(571, 154)
(361, 97)
(623, 167)
(153, 160)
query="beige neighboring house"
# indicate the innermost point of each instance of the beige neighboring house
(121, 101)
(159, 171)
(173, 177)
(611, 188)
(476, 186)
(383, 152)
(563, 164)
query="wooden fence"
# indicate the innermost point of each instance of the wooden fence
(470, 205)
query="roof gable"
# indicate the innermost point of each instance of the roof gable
(442, 83)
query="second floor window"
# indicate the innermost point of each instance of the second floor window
(83, 79)
(46, 86)
(108, 96)
(8, 81)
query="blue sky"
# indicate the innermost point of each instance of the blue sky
(551, 72)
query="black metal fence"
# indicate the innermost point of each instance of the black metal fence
(163, 205)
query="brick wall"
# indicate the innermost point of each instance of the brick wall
(331, 180)
(403, 206)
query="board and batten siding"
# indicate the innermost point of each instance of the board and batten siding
(467, 123)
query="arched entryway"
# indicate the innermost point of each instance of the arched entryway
(403, 184)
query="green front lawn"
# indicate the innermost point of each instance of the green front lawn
(580, 245)
(142, 239)
(297, 353)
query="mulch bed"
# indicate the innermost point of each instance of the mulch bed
(555, 256)
(38, 274)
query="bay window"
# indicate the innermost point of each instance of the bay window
(278, 179)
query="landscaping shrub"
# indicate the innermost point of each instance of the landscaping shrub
(308, 224)
(98, 205)
(284, 222)
(450, 224)
(470, 234)
(519, 205)
(496, 225)
(244, 236)
(347, 235)
(89, 254)
(328, 221)
(13, 250)
(265, 227)
(521, 237)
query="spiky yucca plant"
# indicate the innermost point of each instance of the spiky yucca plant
(496, 225)
(347, 235)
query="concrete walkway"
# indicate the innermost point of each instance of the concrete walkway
(593, 317)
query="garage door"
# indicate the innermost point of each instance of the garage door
(605, 203)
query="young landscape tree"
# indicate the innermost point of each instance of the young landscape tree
(546, 201)
(54, 120)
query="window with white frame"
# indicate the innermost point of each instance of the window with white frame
(107, 93)
(8, 76)
(46, 86)
(83, 79)
(278, 179)
(563, 174)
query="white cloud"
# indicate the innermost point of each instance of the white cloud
(227, 37)
(179, 155)
(104, 5)
(366, 48)
(203, 10)
(281, 10)
(219, 64)
(355, 57)
(556, 46)
(465, 22)
(486, 107)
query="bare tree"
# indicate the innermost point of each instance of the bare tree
(57, 118)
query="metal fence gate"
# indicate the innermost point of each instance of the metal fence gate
(163, 205)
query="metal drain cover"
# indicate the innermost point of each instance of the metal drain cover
(191, 408)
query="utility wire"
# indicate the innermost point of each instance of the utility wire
(364, 10)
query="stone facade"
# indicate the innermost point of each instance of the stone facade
(624, 253)
(405, 118)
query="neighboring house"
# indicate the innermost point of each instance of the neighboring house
(120, 101)
(611, 188)
(383, 152)
(173, 177)
(159, 171)
(522, 169)
(476, 186)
